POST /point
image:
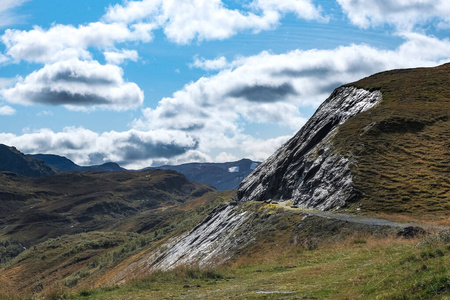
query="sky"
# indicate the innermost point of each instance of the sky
(153, 82)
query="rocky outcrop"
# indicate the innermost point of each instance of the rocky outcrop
(209, 243)
(307, 169)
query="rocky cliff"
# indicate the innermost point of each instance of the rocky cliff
(307, 169)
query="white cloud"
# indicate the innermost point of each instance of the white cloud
(223, 157)
(118, 57)
(62, 42)
(275, 89)
(404, 14)
(3, 59)
(303, 9)
(218, 63)
(208, 119)
(7, 110)
(7, 82)
(260, 149)
(77, 85)
(186, 20)
(132, 149)
(7, 15)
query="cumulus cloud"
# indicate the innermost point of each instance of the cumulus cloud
(184, 21)
(118, 57)
(130, 148)
(225, 157)
(404, 14)
(218, 63)
(62, 42)
(71, 77)
(7, 110)
(77, 85)
(260, 149)
(303, 9)
(275, 89)
(264, 93)
(205, 120)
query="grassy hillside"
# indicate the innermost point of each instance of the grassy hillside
(34, 209)
(86, 260)
(355, 269)
(289, 257)
(401, 146)
(105, 228)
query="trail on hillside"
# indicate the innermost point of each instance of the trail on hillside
(357, 219)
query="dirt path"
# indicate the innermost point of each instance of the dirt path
(357, 219)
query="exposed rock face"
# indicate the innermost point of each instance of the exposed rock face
(307, 170)
(207, 244)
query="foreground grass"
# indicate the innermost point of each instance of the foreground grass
(355, 269)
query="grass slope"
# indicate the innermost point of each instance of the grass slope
(86, 260)
(35, 209)
(296, 258)
(401, 146)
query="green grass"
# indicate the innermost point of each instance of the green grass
(79, 260)
(377, 269)
(401, 145)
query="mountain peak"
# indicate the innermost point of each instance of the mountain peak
(12, 160)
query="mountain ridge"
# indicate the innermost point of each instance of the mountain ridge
(64, 164)
(223, 176)
(12, 160)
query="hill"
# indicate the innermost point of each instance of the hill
(35, 209)
(12, 160)
(377, 145)
(223, 176)
(355, 206)
(64, 164)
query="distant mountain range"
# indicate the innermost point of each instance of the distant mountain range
(223, 176)
(64, 164)
(12, 160)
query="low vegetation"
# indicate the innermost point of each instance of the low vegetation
(401, 145)
(80, 261)
(354, 268)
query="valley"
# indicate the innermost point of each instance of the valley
(355, 206)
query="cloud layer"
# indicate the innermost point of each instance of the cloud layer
(404, 14)
(77, 85)
(62, 42)
(208, 119)
(184, 21)
(132, 149)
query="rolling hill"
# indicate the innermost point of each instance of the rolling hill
(355, 206)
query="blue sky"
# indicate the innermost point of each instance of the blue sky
(167, 82)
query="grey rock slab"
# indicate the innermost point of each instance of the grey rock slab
(307, 169)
